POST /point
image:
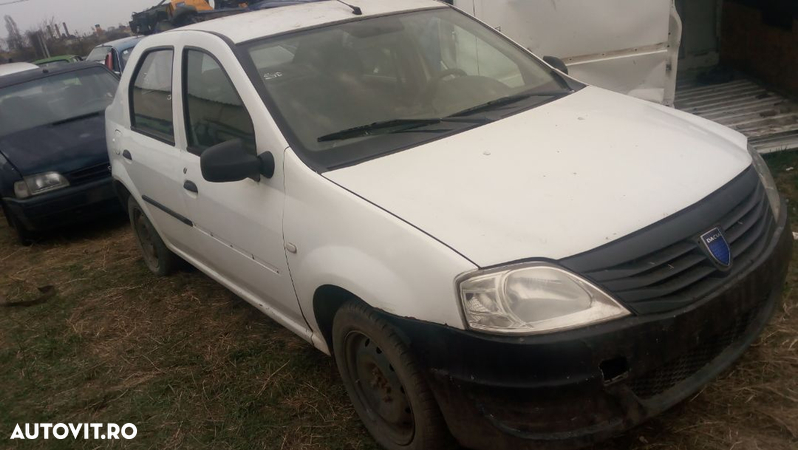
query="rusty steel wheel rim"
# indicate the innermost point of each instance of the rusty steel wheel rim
(379, 388)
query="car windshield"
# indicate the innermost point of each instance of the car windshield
(356, 90)
(98, 54)
(56, 99)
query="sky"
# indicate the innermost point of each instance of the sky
(80, 15)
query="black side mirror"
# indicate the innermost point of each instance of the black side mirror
(231, 161)
(557, 63)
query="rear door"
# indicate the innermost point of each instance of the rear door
(147, 146)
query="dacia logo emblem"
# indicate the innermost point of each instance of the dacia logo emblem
(717, 246)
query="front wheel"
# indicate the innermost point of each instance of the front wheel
(384, 383)
(24, 236)
(159, 259)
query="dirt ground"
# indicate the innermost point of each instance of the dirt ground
(193, 366)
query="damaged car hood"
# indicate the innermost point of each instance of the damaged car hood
(554, 181)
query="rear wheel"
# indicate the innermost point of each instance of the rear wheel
(159, 259)
(384, 383)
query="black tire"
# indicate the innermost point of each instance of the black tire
(24, 236)
(385, 384)
(159, 259)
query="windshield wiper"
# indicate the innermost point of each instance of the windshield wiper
(72, 119)
(390, 127)
(510, 99)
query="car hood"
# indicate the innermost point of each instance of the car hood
(553, 181)
(61, 148)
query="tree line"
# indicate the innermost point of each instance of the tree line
(48, 38)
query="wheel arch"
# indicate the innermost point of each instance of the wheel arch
(327, 300)
(121, 192)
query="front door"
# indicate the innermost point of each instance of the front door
(238, 225)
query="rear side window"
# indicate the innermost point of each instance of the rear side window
(151, 96)
(214, 110)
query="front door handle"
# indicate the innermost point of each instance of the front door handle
(191, 187)
(126, 154)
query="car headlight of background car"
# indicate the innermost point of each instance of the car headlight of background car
(533, 298)
(767, 181)
(39, 184)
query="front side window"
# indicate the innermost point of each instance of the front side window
(214, 111)
(151, 96)
(55, 100)
(356, 90)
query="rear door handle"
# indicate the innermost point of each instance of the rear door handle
(126, 154)
(191, 187)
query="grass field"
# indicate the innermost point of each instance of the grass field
(193, 366)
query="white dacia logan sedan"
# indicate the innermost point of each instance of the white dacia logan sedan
(495, 253)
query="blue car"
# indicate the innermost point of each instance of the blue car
(53, 158)
(114, 54)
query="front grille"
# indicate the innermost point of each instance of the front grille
(673, 269)
(681, 368)
(89, 174)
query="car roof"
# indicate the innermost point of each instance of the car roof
(54, 58)
(297, 15)
(12, 68)
(39, 73)
(121, 44)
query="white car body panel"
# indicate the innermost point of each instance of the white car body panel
(574, 174)
(627, 47)
(343, 240)
(8, 69)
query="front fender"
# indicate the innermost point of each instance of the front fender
(345, 268)
(8, 176)
(343, 240)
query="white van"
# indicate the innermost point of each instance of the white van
(491, 250)
(729, 61)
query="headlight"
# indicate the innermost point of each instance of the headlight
(533, 298)
(39, 184)
(767, 181)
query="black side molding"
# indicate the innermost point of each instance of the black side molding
(163, 208)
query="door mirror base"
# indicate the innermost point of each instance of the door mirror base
(557, 63)
(267, 164)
